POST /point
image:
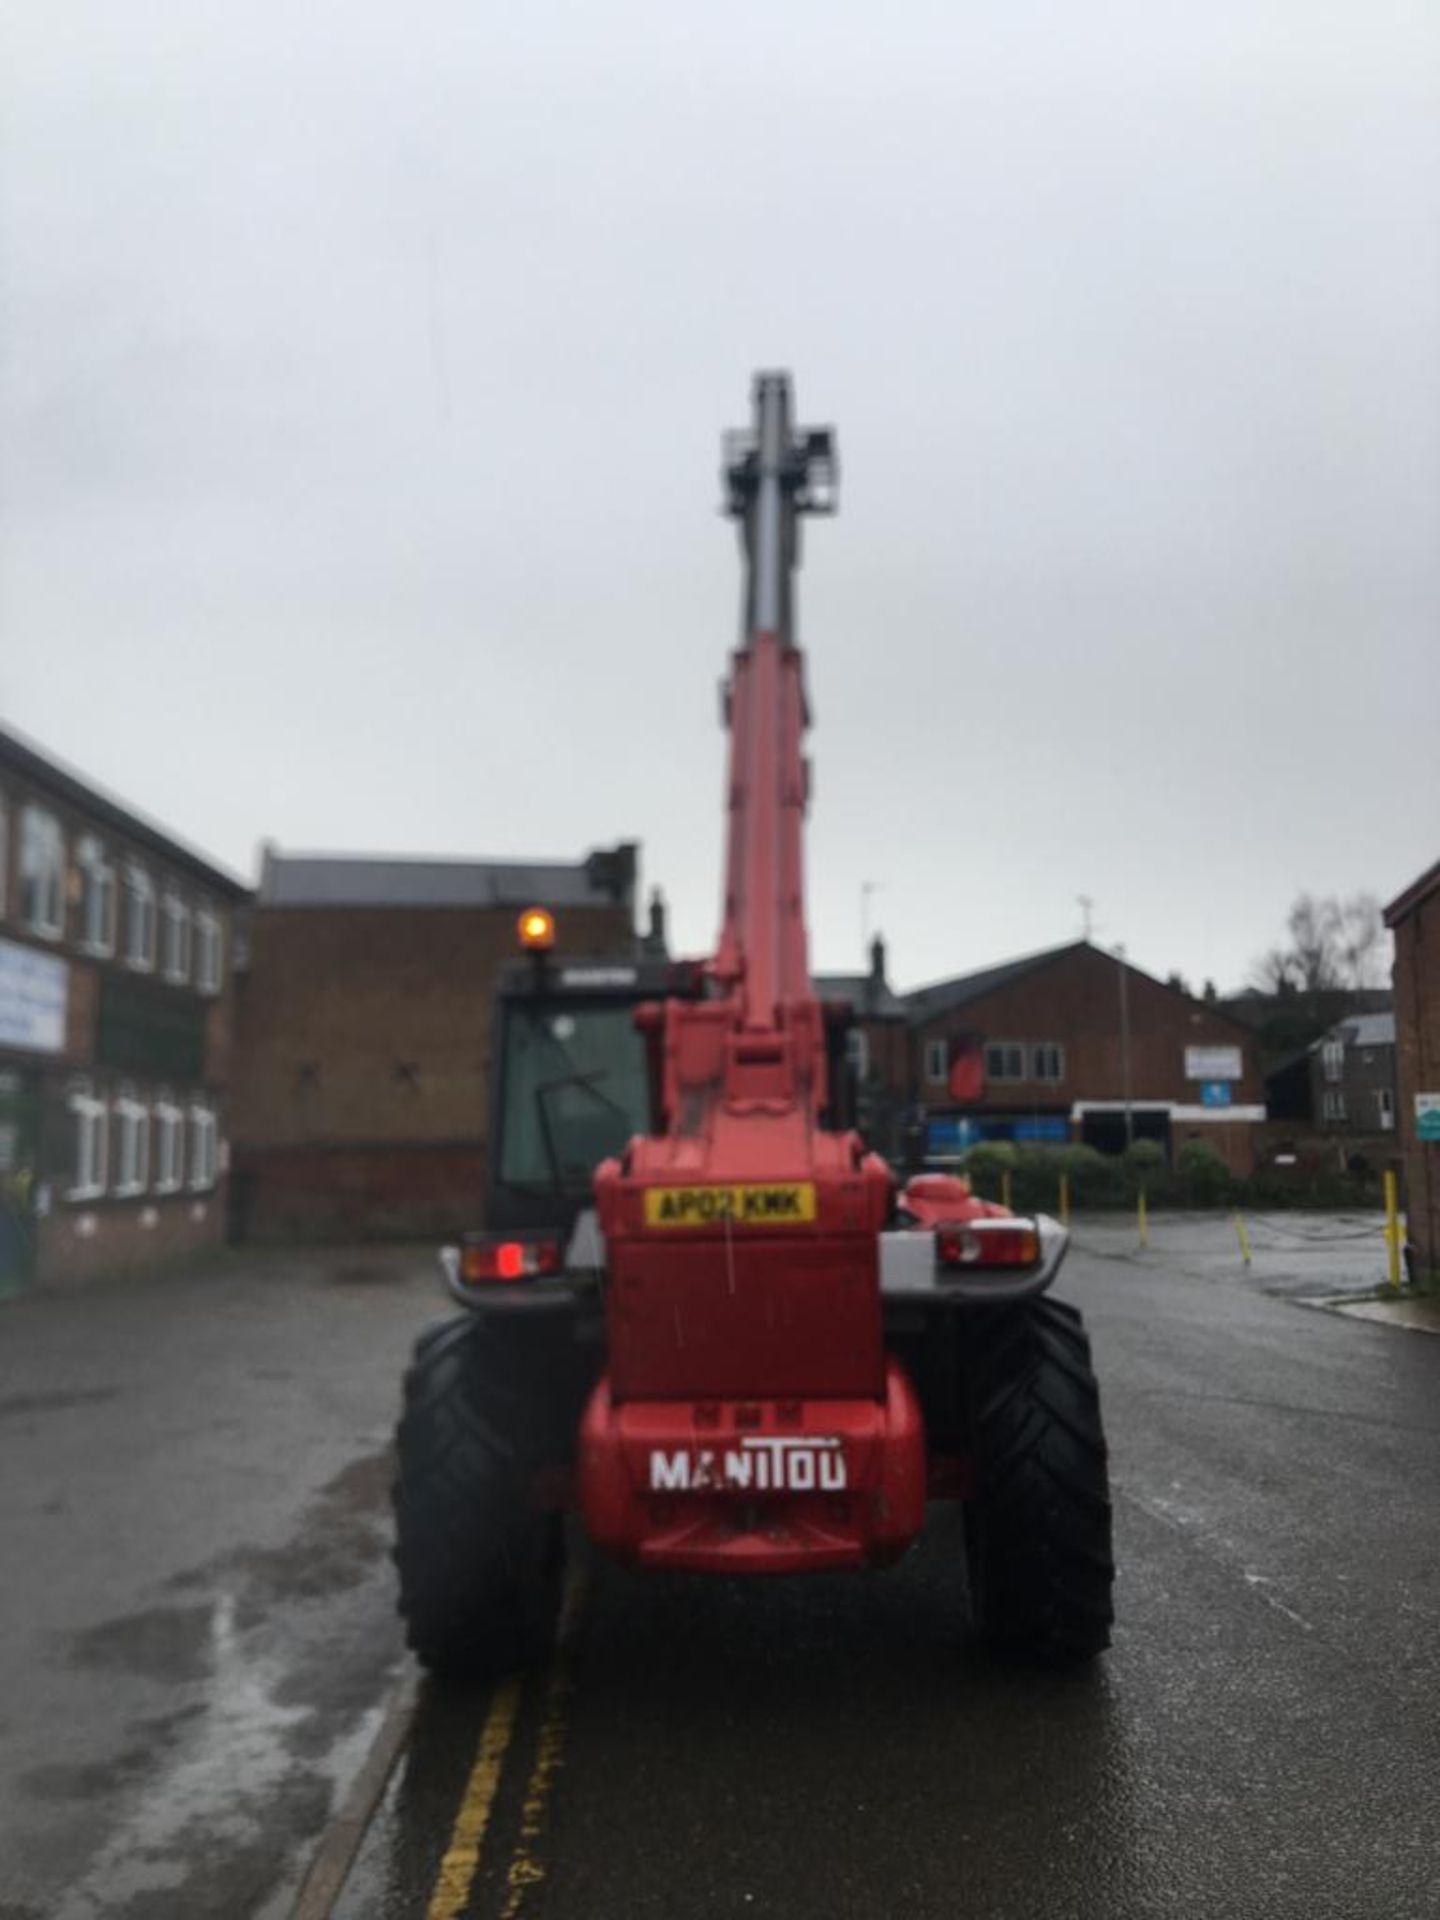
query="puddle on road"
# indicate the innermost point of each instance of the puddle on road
(89, 1780)
(213, 1832)
(336, 1544)
(17, 1405)
(279, 1665)
(164, 1643)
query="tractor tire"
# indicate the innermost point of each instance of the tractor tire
(479, 1563)
(1039, 1553)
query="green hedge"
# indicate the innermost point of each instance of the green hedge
(1199, 1178)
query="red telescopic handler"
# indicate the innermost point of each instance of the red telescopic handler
(701, 1312)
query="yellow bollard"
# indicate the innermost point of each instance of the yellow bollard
(1392, 1227)
(1064, 1199)
(1005, 1187)
(1144, 1220)
(1243, 1235)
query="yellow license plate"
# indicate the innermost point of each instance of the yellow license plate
(789, 1203)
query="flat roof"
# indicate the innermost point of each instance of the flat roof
(604, 877)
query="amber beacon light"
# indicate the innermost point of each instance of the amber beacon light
(537, 929)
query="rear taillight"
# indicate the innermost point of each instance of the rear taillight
(484, 1262)
(989, 1243)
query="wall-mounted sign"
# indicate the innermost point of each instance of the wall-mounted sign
(1045, 1126)
(1427, 1116)
(34, 988)
(1213, 1063)
(1214, 1093)
(948, 1135)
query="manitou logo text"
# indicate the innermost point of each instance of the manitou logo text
(758, 1464)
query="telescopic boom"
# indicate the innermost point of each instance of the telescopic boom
(774, 472)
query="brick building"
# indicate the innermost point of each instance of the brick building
(1352, 1078)
(1056, 1047)
(1414, 919)
(364, 1023)
(115, 1031)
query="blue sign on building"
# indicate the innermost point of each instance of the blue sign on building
(1214, 1093)
(1050, 1127)
(949, 1136)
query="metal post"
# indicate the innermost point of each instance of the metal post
(1064, 1199)
(1125, 1045)
(1392, 1228)
(1242, 1236)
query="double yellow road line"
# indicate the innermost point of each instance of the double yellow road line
(526, 1867)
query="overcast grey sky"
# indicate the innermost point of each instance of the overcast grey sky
(363, 376)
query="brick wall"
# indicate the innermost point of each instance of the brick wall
(362, 1063)
(395, 1191)
(1417, 1032)
(112, 1239)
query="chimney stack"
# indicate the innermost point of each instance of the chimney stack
(656, 938)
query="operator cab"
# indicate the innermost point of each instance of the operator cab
(570, 1080)
(571, 1088)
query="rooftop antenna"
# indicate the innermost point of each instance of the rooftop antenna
(1086, 904)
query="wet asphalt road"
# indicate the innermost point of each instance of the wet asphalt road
(1263, 1739)
(197, 1637)
(196, 1615)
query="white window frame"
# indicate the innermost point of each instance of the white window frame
(1332, 1106)
(209, 958)
(132, 1145)
(1013, 1053)
(99, 898)
(1385, 1107)
(1038, 1054)
(174, 938)
(857, 1052)
(1332, 1059)
(42, 868)
(92, 1142)
(204, 1153)
(139, 891)
(169, 1145)
(937, 1061)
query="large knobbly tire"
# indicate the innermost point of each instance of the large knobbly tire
(479, 1563)
(1041, 1564)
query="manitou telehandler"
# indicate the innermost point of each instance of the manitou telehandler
(750, 1351)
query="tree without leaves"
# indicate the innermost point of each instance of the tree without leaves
(1334, 945)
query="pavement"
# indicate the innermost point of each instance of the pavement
(196, 1644)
